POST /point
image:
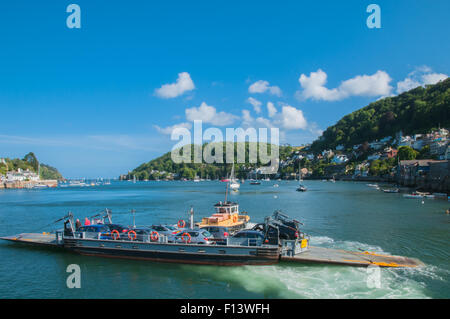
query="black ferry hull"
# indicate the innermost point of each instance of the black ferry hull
(176, 253)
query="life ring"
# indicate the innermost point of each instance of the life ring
(181, 223)
(189, 237)
(134, 237)
(154, 236)
(113, 236)
(235, 218)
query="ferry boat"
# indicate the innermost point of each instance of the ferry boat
(153, 246)
(226, 215)
(282, 241)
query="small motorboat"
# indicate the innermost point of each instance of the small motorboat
(301, 188)
(413, 195)
(391, 190)
(255, 182)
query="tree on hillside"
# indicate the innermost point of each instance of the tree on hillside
(407, 153)
(32, 160)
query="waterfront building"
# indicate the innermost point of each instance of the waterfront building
(439, 147)
(427, 174)
(21, 175)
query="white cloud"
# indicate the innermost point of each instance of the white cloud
(183, 84)
(421, 76)
(314, 88)
(247, 119)
(271, 109)
(256, 104)
(291, 118)
(433, 78)
(208, 114)
(168, 130)
(263, 86)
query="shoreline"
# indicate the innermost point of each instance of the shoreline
(29, 184)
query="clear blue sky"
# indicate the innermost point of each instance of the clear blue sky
(85, 100)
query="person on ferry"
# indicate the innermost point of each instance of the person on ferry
(77, 224)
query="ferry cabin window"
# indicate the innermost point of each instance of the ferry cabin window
(212, 229)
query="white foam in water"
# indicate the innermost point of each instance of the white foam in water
(324, 281)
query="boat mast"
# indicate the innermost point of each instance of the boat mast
(134, 222)
(226, 192)
(192, 217)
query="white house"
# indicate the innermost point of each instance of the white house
(21, 175)
(406, 141)
(327, 153)
(339, 159)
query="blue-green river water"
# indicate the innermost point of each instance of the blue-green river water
(338, 215)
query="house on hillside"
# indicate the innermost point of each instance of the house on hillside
(361, 170)
(339, 159)
(376, 145)
(338, 169)
(327, 153)
(389, 152)
(438, 147)
(21, 175)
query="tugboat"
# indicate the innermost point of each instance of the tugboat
(227, 215)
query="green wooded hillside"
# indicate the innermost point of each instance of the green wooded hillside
(416, 111)
(30, 162)
(159, 167)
